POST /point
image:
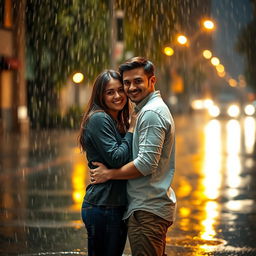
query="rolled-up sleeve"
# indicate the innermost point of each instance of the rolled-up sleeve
(151, 132)
(103, 137)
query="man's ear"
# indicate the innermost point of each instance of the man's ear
(153, 81)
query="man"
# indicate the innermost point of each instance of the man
(151, 200)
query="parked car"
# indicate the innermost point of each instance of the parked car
(231, 104)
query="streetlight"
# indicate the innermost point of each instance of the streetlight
(77, 78)
(220, 68)
(208, 24)
(215, 61)
(242, 82)
(168, 51)
(207, 54)
(232, 82)
(188, 56)
(181, 39)
(222, 74)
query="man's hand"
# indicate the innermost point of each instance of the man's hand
(99, 174)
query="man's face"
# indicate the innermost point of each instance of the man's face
(137, 85)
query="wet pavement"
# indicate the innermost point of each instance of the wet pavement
(43, 178)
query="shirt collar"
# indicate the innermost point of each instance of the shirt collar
(142, 103)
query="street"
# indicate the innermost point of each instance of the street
(43, 179)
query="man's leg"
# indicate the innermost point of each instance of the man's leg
(147, 233)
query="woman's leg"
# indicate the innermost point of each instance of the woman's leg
(94, 220)
(106, 230)
(116, 232)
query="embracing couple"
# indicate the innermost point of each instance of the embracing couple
(131, 157)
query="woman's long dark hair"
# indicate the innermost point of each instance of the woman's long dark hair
(96, 103)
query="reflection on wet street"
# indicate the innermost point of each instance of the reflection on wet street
(215, 187)
(44, 175)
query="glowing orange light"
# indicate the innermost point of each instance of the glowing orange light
(78, 78)
(207, 54)
(208, 24)
(182, 39)
(215, 61)
(168, 51)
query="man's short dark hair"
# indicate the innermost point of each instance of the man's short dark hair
(138, 62)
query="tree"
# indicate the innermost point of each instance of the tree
(68, 35)
(148, 26)
(74, 35)
(63, 37)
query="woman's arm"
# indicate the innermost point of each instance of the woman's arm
(103, 135)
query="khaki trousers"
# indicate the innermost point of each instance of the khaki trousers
(147, 234)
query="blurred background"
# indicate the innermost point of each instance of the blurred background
(50, 54)
(205, 58)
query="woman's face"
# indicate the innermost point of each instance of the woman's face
(114, 97)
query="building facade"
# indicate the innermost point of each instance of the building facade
(13, 91)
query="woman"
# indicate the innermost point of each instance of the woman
(106, 137)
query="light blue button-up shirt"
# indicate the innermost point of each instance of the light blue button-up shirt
(154, 157)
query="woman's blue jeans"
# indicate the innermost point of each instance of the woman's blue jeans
(106, 230)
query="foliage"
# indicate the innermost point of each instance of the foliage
(246, 46)
(74, 35)
(62, 37)
(73, 118)
(53, 119)
(148, 26)
(65, 36)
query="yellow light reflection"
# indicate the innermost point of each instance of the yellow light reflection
(184, 212)
(185, 224)
(184, 188)
(233, 137)
(211, 183)
(212, 161)
(211, 209)
(78, 181)
(241, 205)
(249, 134)
(233, 171)
(233, 131)
(232, 192)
